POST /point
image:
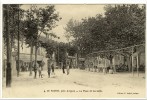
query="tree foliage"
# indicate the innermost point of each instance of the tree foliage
(15, 24)
(120, 26)
(60, 49)
(38, 21)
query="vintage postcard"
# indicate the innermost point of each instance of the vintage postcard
(73, 51)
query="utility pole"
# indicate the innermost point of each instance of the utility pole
(8, 69)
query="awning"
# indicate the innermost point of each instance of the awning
(26, 57)
(71, 57)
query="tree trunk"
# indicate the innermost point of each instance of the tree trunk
(3, 44)
(31, 53)
(8, 70)
(78, 56)
(111, 63)
(129, 63)
(18, 67)
(35, 67)
(132, 61)
(11, 44)
(112, 68)
(137, 60)
(58, 56)
(12, 40)
(76, 60)
(4, 61)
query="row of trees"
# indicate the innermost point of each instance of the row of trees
(27, 25)
(39, 21)
(11, 29)
(60, 49)
(120, 26)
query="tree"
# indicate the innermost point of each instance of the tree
(120, 23)
(10, 30)
(85, 33)
(127, 23)
(40, 20)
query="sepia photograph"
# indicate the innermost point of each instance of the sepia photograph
(73, 51)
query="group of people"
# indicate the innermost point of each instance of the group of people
(24, 66)
(50, 69)
(39, 68)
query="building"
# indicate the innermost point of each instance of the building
(24, 56)
(122, 60)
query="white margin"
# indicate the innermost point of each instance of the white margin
(72, 1)
(65, 2)
(1, 50)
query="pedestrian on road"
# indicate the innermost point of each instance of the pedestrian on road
(52, 66)
(67, 68)
(63, 67)
(35, 69)
(17, 68)
(49, 71)
(39, 70)
(49, 68)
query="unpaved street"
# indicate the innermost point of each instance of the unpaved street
(78, 84)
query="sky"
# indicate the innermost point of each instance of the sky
(74, 11)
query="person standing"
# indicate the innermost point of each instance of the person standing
(52, 66)
(67, 68)
(39, 70)
(35, 69)
(17, 68)
(48, 68)
(49, 71)
(63, 67)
